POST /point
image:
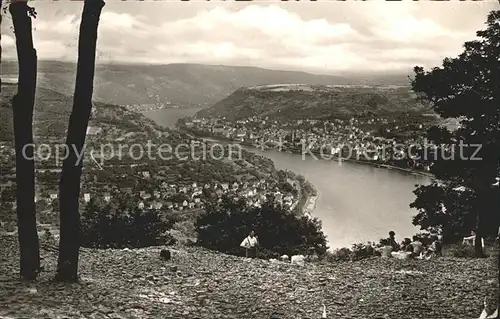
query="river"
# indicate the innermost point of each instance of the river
(168, 117)
(356, 203)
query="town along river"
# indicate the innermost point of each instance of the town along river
(357, 202)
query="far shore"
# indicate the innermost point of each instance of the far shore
(307, 208)
(349, 160)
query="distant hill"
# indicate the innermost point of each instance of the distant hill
(51, 115)
(315, 102)
(180, 84)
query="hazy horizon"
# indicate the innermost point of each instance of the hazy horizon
(333, 73)
(329, 38)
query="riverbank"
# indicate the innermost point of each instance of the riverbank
(212, 138)
(391, 167)
(366, 162)
(197, 283)
(386, 194)
(340, 210)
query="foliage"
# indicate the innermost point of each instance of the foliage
(358, 251)
(119, 227)
(464, 87)
(426, 238)
(184, 232)
(461, 251)
(6, 129)
(341, 254)
(224, 226)
(362, 251)
(7, 212)
(458, 217)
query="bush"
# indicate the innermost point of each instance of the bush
(108, 228)
(461, 251)
(342, 254)
(224, 226)
(183, 232)
(7, 214)
(362, 251)
(357, 252)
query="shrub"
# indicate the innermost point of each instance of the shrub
(48, 217)
(224, 226)
(357, 252)
(342, 254)
(109, 228)
(7, 212)
(426, 237)
(183, 232)
(362, 251)
(48, 237)
(461, 251)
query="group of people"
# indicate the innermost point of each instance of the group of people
(411, 248)
(390, 247)
(251, 243)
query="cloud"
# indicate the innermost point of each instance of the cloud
(8, 47)
(325, 37)
(118, 21)
(8, 42)
(66, 25)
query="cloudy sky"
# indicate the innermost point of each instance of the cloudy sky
(317, 37)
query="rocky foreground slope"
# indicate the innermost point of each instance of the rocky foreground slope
(200, 284)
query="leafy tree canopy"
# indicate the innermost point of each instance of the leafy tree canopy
(466, 161)
(225, 225)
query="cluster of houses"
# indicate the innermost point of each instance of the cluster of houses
(151, 107)
(193, 196)
(163, 191)
(254, 128)
(327, 137)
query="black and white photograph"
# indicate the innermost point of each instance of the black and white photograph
(249, 159)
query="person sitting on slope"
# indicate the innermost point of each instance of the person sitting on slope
(386, 249)
(392, 241)
(417, 245)
(435, 249)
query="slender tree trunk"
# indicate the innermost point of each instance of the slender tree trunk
(483, 202)
(478, 242)
(69, 187)
(478, 247)
(23, 105)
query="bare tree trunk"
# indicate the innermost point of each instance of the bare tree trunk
(478, 242)
(478, 247)
(483, 202)
(23, 105)
(69, 187)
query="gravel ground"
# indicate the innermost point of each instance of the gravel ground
(200, 284)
